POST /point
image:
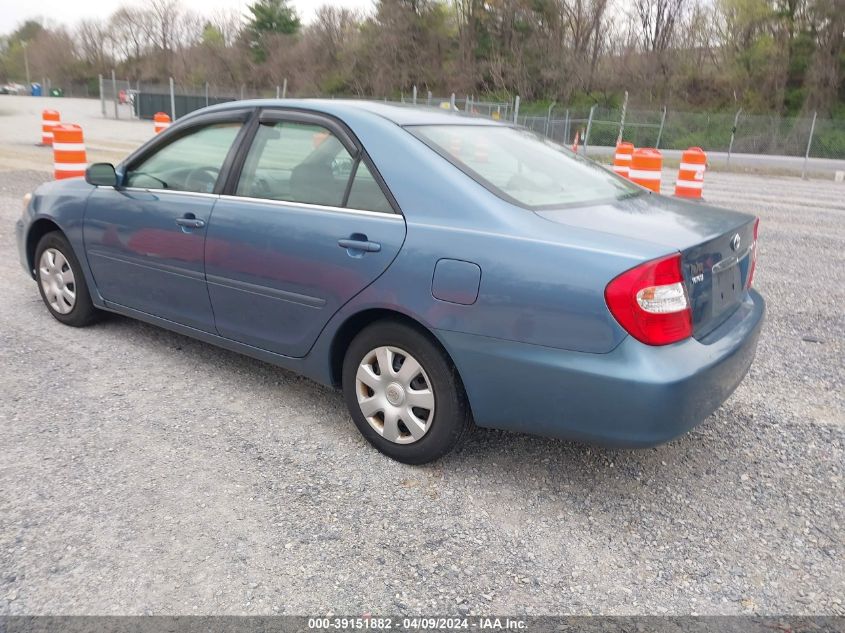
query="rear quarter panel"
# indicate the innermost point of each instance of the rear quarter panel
(541, 282)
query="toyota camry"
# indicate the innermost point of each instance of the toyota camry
(444, 271)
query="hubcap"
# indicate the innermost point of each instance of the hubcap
(57, 281)
(395, 395)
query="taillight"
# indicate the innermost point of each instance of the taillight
(650, 302)
(753, 253)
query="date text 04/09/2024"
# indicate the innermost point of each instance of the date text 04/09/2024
(416, 623)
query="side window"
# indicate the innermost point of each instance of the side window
(296, 162)
(190, 163)
(365, 192)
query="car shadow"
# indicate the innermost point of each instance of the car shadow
(486, 450)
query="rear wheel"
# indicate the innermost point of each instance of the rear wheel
(404, 394)
(61, 281)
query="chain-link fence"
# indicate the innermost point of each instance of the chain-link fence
(499, 110)
(117, 97)
(595, 127)
(737, 132)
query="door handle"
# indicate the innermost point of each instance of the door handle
(191, 223)
(359, 245)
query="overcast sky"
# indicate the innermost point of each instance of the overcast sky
(68, 12)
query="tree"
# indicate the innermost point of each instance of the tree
(774, 56)
(826, 76)
(212, 36)
(267, 18)
(94, 42)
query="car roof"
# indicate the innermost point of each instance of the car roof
(399, 113)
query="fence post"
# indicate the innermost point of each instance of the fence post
(549, 116)
(809, 143)
(622, 118)
(516, 110)
(285, 88)
(428, 102)
(172, 101)
(566, 127)
(102, 96)
(589, 125)
(414, 95)
(242, 92)
(452, 101)
(129, 99)
(114, 90)
(660, 131)
(733, 134)
(206, 94)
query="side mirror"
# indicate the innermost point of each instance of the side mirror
(101, 175)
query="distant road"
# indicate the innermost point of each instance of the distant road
(815, 166)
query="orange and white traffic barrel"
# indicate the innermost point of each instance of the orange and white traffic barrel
(49, 120)
(690, 183)
(69, 158)
(622, 158)
(161, 121)
(646, 168)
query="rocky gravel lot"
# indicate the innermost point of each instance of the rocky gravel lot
(144, 472)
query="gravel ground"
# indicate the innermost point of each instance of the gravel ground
(106, 139)
(145, 472)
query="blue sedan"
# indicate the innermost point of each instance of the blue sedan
(443, 270)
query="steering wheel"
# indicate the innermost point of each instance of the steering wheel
(341, 166)
(202, 179)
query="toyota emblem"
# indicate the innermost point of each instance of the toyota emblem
(735, 242)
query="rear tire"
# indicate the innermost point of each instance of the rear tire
(414, 416)
(61, 282)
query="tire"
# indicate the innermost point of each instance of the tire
(375, 402)
(56, 285)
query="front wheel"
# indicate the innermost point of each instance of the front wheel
(404, 394)
(61, 281)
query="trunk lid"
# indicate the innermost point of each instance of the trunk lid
(715, 246)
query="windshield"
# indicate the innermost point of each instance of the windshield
(521, 167)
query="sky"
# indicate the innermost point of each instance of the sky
(13, 12)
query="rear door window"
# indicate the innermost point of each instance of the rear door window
(366, 194)
(296, 162)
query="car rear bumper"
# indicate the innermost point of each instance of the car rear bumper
(635, 396)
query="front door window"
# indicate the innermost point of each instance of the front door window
(190, 163)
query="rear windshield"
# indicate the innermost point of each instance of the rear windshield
(521, 167)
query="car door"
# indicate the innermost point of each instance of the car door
(308, 225)
(145, 239)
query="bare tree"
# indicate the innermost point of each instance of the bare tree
(658, 20)
(94, 41)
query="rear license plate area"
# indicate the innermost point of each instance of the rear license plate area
(727, 288)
